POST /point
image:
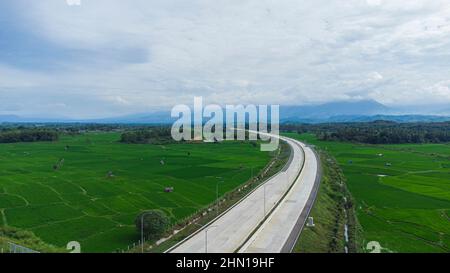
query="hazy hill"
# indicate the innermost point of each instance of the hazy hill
(355, 111)
(326, 111)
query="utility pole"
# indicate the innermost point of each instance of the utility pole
(206, 235)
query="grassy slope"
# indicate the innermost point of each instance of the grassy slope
(327, 235)
(404, 206)
(23, 238)
(80, 202)
(329, 213)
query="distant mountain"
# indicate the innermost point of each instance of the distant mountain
(147, 118)
(427, 109)
(9, 118)
(326, 111)
(161, 117)
(394, 118)
(356, 111)
(312, 113)
(359, 111)
(18, 119)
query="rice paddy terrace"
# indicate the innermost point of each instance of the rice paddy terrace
(402, 192)
(89, 188)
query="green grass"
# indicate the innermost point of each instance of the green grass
(80, 202)
(24, 238)
(332, 210)
(405, 205)
(328, 233)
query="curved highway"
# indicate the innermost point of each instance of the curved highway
(280, 230)
(266, 219)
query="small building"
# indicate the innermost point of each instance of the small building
(169, 189)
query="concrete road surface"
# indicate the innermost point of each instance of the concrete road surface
(274, 236)
(233, 228)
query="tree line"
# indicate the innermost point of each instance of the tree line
(28, 135)
(160, 135)
(378, 132)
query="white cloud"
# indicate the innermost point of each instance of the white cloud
(374, 2)
(118, 100)
(375, 76)
(159, 53)
(439, 90)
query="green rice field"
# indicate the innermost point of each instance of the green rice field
(89, 188)
(402, 192)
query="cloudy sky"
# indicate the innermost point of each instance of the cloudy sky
(114, 57)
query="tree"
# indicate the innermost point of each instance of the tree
(28, 135)
(148, 136)
(155, 223)
(378, 132)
